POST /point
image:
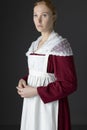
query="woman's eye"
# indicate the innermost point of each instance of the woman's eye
(34, 15)
(45, 15)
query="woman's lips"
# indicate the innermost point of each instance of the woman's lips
(39, 26)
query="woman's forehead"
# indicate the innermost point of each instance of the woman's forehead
(40, 8)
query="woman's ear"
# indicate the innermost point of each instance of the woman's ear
(54, 19)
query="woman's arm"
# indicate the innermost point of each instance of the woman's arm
(66, 81)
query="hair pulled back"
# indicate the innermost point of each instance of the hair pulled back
(50, 5)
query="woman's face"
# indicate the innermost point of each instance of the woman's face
(43, 18)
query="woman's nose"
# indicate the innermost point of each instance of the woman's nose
(39, 19)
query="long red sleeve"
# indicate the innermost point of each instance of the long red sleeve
(25, 77)
(66, 81)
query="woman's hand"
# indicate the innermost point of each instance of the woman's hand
(27, 91)
(21, 83)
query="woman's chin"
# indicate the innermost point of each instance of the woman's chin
(39, 30)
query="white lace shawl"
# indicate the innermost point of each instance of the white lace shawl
(55, 45)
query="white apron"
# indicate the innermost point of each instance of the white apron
(35, 114)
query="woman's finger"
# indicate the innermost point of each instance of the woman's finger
(20, 89)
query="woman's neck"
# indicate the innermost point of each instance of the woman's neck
(44, 38)
(45, 35)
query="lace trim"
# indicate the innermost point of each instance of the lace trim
(62, 49)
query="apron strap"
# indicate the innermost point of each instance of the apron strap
(46, 63)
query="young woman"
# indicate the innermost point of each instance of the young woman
(51, 76)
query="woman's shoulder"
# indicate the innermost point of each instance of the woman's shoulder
(62, 48)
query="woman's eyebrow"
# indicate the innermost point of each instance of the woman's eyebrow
(46, 12)
(43, 12)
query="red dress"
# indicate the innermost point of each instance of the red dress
(62, 66)
(64, 69)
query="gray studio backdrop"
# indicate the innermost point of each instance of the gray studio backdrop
(17, 34)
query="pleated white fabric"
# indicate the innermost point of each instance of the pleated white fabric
(35, 114)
